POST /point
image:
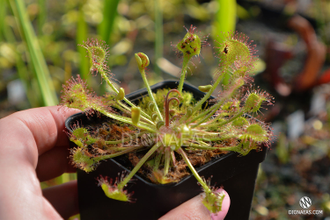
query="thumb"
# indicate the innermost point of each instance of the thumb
(194, 209)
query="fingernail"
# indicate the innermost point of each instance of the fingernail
(225, 207)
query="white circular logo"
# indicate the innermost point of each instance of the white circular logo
(305, 202)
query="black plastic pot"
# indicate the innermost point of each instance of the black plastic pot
(235, 173)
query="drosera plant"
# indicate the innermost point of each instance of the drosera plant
(169, 132)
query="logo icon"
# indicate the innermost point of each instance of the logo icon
(305, 202)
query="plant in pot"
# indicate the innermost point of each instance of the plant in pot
(157, 142)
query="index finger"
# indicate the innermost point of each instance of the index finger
(46, 125)
(34, 131)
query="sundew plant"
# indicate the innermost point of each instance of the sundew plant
(169, 133)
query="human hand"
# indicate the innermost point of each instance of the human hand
(34, 148)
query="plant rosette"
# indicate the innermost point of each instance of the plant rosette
(142, 152)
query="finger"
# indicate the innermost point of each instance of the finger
(224, 209)
(41, 130)
(64, 198)
(53, 163)
(194, 209)
(46, 125)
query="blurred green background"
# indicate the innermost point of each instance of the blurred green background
(39, 39)
(39, 51)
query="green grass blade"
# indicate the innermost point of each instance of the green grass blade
(159, 34)
(32, 94)
(106, 27)
(2, 18)
(41, 15)
(109, 16)
(36, 57)
(82, 29)
(225, 19)
(23, 74)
